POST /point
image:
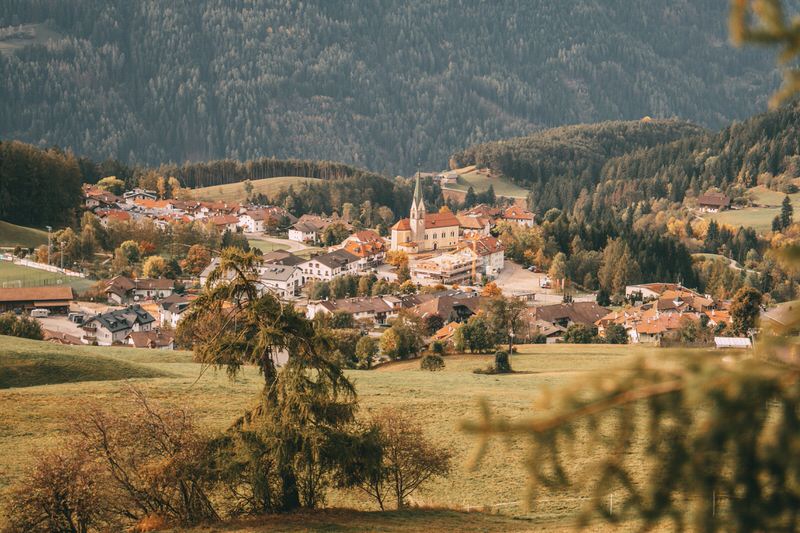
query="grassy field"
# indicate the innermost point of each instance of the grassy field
(12, 275)
(12, 235)
(30, 34)
(759, 218)
(37, 417)
(234, 192)
(266, 246)
(480, 181)
(27, 363)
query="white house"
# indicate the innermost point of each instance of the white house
(376, 308)
(254, 221)
(139, 194)
(488, 252)
(115, 326)
(153, 340)
(122, 290)
(305, 232)
(171, 309)
(328, 266)
(283, 280)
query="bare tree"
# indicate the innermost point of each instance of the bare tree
(410, 459)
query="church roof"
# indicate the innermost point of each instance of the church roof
(402, 225)
(417, 192)
(440, 220)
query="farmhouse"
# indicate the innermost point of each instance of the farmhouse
(565, 315)
(225, 222)
(282, 280)
(367, 245)
(122, 290)
(56, 298)
(171, 309)
(712, 202)
(424, 231)
(115, 326)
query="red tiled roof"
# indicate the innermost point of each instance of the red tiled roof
(517, 213)
(403, 224)
(440, 220)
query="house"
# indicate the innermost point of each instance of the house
(783, 318)
(484, 211)
(474, 225)
(378, 309)
(56, 299)
(305, 232)
(713, 202)
(451, 308)
(446, 178)
(171, 309)
(533, 327)
(58, 337)
(122, 290)
(565, 315)
(139, 194)
(282, 280)
(424, 231)
(282, 257)
(153, 339)
(113, 327)
(518, 215)
(367, 245)
(94, 198)
(107, 216)
(328, 266)
(256, 220)
(445, 333)
(447, 268)
(224, 222)
(489, 252)
(649, 291)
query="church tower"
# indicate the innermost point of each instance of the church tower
(417, 218)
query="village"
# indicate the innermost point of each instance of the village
(440, 267)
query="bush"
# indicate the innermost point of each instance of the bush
(366, 350)
(432, 363)
(501, 362)
(438, 348)
(20, 326)
(580, 334)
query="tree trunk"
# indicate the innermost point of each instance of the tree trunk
(290, 497)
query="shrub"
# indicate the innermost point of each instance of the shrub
(20, 326)
(438, 348)
(501, 362)
(366, 350)
(432, 363)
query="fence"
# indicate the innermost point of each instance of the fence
(41, 266)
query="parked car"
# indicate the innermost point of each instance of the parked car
(77, 318)
(40, 313)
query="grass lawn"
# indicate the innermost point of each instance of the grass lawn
(11, 275)
(266, 246)
(234, 192)
(27, 363)
(12, 235)
(480, 182)
(36, 417)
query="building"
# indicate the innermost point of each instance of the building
(378, 309)
(305, 232)
(139, 194)
(225, 222)
(282, 257)
(474, 225)
(713, 202)
(94, 198)
(56, 299)
(325, 267)
(282, 280)
(518, 215)
(255, 220)
(450, 307)
(153, 339)
(424, 231)
(171, 309)
(122, 290)
(367, 245)
(447, 268)
(115, 326)
(488, 252)
(565, 315)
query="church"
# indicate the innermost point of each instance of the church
(423, 231)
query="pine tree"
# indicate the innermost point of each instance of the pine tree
(787, 212)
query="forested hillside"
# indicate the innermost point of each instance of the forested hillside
(558, 163)
(762, 150)
(382, 84)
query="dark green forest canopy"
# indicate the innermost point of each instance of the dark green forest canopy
(559, 162)
(381, 84)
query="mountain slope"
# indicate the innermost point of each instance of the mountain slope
(382, 84)
(558, 163)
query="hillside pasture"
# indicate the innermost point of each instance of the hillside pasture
(12, 235)
(480, 179)
(36, 417)
(766, 206)
(27, 363)
(234, 192)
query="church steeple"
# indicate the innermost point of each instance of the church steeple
(417, 217)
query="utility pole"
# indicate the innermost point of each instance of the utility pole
(61, 247)
(49, 243)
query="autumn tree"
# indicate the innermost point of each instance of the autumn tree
(409, 459)
(745, 310)
(197, 258)
(505, 318)
(154, 266)
(303, 420)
